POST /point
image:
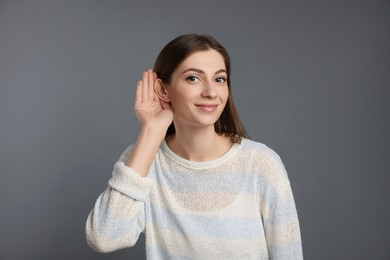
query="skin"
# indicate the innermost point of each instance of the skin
(193, 100)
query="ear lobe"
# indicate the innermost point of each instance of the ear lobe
(160, 90)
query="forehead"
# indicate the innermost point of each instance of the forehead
(209, 60)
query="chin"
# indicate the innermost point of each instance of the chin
(207, 123)
(197, 121)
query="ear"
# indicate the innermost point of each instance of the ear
(161, 91)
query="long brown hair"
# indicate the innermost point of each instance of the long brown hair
(175, 52)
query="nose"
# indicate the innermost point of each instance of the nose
(209, 90)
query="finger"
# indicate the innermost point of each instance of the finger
(138, 93)
(151, 85)
(155, 77)
(145, 80)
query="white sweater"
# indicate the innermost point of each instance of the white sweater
(239, 206)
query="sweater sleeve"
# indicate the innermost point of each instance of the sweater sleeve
(118, 216)
(278, 211)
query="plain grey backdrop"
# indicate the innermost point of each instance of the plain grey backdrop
(310, 79)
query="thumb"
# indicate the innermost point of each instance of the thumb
(165, 105)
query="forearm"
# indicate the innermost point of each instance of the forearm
(112, 224)
(145, 149)
(118, 216)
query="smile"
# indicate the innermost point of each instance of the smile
(207, 107)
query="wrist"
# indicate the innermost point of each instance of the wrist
(152, 132)
(145, 149)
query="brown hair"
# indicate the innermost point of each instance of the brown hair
(177, 51)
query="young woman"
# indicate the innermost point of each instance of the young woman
(193, 183)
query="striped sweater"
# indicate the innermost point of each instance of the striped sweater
(239, 206)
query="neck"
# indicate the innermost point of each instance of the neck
(199, 145)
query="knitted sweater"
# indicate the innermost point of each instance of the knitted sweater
(238, 206)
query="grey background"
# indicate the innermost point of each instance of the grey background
(310, 79)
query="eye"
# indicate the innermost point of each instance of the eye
(192, 79)
(220, 80)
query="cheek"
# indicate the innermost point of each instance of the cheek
(224, 95)
(178, 103)
(182, 98)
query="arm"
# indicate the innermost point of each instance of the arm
(155, 116)
(279, 213)
(119, 215)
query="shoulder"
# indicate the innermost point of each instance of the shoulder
(269, 171)
(265, 161)
(259, 149)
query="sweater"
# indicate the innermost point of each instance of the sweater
(238, 206)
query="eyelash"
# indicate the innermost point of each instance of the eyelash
(218, 79)
(192, 78)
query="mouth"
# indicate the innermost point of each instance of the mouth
(207, 107)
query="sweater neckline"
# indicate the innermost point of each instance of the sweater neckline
(201, 165)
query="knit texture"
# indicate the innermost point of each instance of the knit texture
(239, 206)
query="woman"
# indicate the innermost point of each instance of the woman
(192, 182)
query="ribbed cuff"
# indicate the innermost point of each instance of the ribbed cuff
(127, 181)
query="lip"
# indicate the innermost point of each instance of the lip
(207, 107)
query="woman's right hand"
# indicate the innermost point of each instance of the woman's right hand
(152, 112)
(155, 117)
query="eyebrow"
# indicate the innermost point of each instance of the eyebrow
(201, 71)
